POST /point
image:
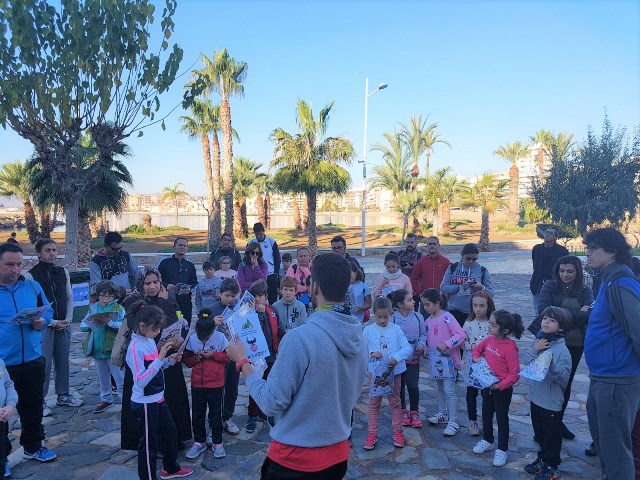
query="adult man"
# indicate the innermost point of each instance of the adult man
(20, 348)
(612, 353)
(339, 246)
(326, 358)
(410, 255)
(429, 270)
(56, 338)
(179, 276)
(271, 255)
(544, 257)
(113, 263)
(226, 249)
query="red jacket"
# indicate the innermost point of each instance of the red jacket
(428, 273)
(273, 323)
(207, 372)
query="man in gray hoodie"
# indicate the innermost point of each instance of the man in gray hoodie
(314, 384)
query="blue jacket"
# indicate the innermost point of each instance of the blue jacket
(21, 343)
(612, 342)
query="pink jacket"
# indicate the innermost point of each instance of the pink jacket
(445, 329)
(301, 274)
(396, 284)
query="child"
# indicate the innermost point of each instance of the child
(205, 354)
(386, 341)
(225, 269)
(302, 273)
(99, 342)
(445, 334)
(291, 312)
(476, 329)
(208, 289)
(147, 397)
(358, 296)
(413, 325)
(287, 260)
(547, 396)
(8, 402)
(273, 333)
(501, 354)
(391, 278)
(229, 293)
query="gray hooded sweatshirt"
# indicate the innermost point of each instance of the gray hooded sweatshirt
(459, 297)
(315, 382)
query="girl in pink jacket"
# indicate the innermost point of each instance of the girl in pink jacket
(391, 278)
(445, 334)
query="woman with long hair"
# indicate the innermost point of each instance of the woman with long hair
(253, 266)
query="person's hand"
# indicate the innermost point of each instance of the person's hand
(477, 360)
(198, 355)
(185, 290)
(254, 260)
(419, 350)
(260, 307)
(541, 344)
(393, 362)
(494, 387)
(585, 308)
(164, 349)
(207, 354)
(385, 282)
(61, 325)
(218, 319)
(172, 288)
(37, 323)
(376, 355)
(6, 412)
(236, 349)
(175, 356)
(163, 293)
(441, 347)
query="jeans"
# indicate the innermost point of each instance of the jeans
(105, 371)
(55, 349)
(274, 471)
(154, 420)
(373, 412)
(231, 379)
(28, 378)
(496, 402)
(548, 432)
(410, 380)
(201, 398)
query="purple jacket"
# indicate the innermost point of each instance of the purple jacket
(248, 274)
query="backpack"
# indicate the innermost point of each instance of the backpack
(121, 344)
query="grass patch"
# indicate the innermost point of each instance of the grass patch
(193, 247)
(98, 243)
(460, 222)
(330, 228)
(385, 229)
(154, 230)
(505, 227)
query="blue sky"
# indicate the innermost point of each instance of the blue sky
(488, 72)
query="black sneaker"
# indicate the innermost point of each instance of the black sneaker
(251, 424)
(591, 451)
(535, 467)
(566, 433)
(102, 406)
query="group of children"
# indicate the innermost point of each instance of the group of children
(401, 336)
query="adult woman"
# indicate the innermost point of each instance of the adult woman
(226, 249)
(462, 279)
(253, 266)
(151, 290)
(567, 290)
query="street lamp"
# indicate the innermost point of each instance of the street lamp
(382, 86)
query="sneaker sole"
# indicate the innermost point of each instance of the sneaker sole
(367, 447)
(398, 445)
(29, 457)
(193, 457)
(219, 456)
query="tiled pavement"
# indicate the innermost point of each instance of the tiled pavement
(88, 443)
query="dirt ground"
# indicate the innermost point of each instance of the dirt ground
(465, 228)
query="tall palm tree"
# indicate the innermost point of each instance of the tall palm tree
(308, 162)
(394, 174)
(435, 195)
(544, 139)
(430, 139)
(488, 195)
(406, 204)
(245, 177)
(174, 193)
(450, 193)
(14, 182)
(512, 152)
(224, 75)
(562, 147)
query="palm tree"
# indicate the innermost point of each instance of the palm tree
(430, 139)
(225, 76)
(435, 195)
(245, 177)
(174, 193)
(307, 162)
(394, 173)
(406, 204)
(562, 146)
(512, 152)
(14, 182)
(544, 140)
(488, 195)
(450, 192)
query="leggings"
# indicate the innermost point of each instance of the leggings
(496, 402)
(410, 379)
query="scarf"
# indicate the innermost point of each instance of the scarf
(391, 276)
(551, 337)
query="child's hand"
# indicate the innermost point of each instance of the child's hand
(218, 319)
(199, 356)
(163, 350)
(376, 355)
(6, 412)
(393, 362)
(476, 360)
(207, 354)
(494, 387)
(541, 344)
(419, 350)
(175, 356)
(441, 347)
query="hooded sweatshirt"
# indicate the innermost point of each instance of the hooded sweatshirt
(549, 393)
(8, 394)
(391, 341)
(207, 291)
(459, 299)
(291, 315)
(397, 281)
(316, 381)
(414, 328)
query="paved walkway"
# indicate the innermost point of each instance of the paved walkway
(88, 443)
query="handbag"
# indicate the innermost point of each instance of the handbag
(121, 344)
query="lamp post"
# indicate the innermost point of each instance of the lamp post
(382, 86)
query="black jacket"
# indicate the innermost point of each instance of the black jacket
(178, 271)
(53, 280)
(544, 259)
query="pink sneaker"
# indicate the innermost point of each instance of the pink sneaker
(406, 421)
(183, 472)
(415, 419)
(398, 439)
(370, 442)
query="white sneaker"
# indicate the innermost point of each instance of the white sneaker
(452, 428)
(500, 458)
(440, 417)
(46, 411)
(483, 446)
(231, 427)
(474, 428)
(195, 450)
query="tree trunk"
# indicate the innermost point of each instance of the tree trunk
(208, 175)
(484, 232)
(312, 200)
(540, 163)
(405, 224)
(31, 221)
(71, 208)
(225, 116)
(237, 227)
(305, 216)
(446, 218)
(94, 227)
(243, 216)
(45, 223)
(415, 172)
(146, 222)
(176, 205)
(513, 208)
(262, 210)
(436, 222)
(427, 163)
(267, 211)
(84, 239)
(297, 221)
(416, 226)
(216, 219)
(54, 218)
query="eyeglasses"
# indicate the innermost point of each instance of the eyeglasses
(432, 243)
(253, 253)
(105, 295)
(339, 247)
(470, 259)
(116, 249)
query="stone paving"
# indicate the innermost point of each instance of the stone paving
(88, 444)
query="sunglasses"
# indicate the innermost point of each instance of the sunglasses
(116, 249)
(253, 253)
(337, 248)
